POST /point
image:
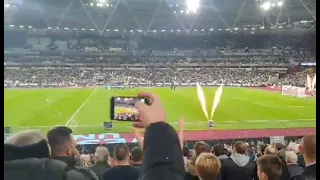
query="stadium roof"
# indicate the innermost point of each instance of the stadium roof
(157, 15)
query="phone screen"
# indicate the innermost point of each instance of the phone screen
(123, 108)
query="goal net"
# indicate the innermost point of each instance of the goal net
(293, 91)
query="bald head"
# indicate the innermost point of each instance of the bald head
(271, 149)
(308, 147)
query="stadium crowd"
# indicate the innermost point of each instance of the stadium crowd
(76, 76)
(160, 155)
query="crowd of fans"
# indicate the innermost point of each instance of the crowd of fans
(160, 155)
(55, 77)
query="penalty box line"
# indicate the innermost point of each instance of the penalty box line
(81, 106)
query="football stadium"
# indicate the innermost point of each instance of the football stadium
(229, 89)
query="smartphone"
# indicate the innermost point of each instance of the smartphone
(123, 108)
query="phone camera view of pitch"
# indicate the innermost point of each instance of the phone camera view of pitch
(123, 108)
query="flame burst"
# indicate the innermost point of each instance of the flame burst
(216, 101)
(309, 82)
(202, 100)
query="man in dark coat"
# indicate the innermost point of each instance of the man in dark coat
(308, 149)
(162, 153)
(63, 148)
(27, 156)
(238, 165)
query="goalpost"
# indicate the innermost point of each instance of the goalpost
(293, 91)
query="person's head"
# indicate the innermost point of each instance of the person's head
(261, 149)
(201, 147)
(291, 157)
(269, 167)
(102, 154)
(271, 149)
(219, 150)
(121, 153)
(208, 166)
(25, 138)
(136, 155)
(308, 148)
(61, 141)
(26, 144)
(240, 147)
(280, 146)
(292, 146)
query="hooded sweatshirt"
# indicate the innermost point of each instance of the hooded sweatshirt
(240, 160)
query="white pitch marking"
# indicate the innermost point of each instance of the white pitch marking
(175, 122)
(77, 111)
(254, 121)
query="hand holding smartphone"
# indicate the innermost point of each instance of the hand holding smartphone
(122, 108)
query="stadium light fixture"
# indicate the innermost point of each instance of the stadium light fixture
(280, 3)
(266, 6)
(193, 5)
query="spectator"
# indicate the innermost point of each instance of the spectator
(186, 153)
(308, 149)
(220, 152)
(63, 148)
(34, 144)
(122, 169)
(208, 166)
(291, 160)
(269, 167)
(22, 155)
(161, 147)
(199, 147)
(272, 150)
(238, 165)
(261, 149)
(251, 154)
(136, 157)
(102, 165)
(295, 148)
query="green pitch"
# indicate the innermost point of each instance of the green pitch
(85, 110)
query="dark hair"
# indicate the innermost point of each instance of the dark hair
(219, 150)
(240, 147)
(136, 154)
(263, 147)
(280, 146)
(271, 165)
(201, 147)
(185, 151)
(58, 136)
(121, 152)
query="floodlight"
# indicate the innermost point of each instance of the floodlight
(280, 3)
(266, 6)
(193, 5)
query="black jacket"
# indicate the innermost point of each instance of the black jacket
(163, 157)
(32, 162)
(301, 161)
(100, 168)
(309, 173)
(72, 163)
(294, 169)
(39, 169)
(238, 167)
